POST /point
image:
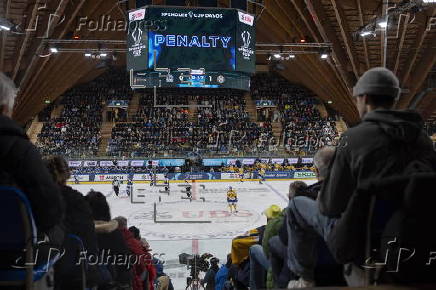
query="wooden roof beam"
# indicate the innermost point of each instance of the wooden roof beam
(345, 32)
(315, 8)
(365, 45)
(423, 67)
(4, 37)
(29, 31)
(422, 34)
(400, 47)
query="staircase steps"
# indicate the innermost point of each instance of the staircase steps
(250, 107)
(33, 131)
(133, 108)
(193, 110)
(105, 133)
(56, 113)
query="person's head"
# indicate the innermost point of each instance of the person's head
(135, 231)
(272, 212)
(8, 93)
(297, 188)
(58, 168)
(377, 88)
(122, 222)
(322, 159)
(99, 206)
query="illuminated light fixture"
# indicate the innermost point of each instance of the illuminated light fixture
(54, 50)
(324, 55)
(87, 54)
(47, 101)
(277, 55)
(365, 33)
(382, 24)
(103, 54)
(429, 1)
(330, 102)
(291, 56)
(76, 37)
(4, 27)
(302, 40)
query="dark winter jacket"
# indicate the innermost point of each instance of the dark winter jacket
(380, 146)
(111, 242)
(78, 221)
(22, 163)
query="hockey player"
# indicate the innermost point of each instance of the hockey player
(241, 173)
(116, 186)
(232, 200)
(261, 175)
(188, 191)
(129, 189)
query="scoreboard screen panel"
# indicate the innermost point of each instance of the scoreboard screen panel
(218, 40)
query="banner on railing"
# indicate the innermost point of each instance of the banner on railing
(79, 178)
(248, 161)
(123, 163)
(214, 161)
(306, 160)
(90, 163)
(137, 163)
(171, 162)
(277, 160)
(304, 174)
(293, 160)
(110, 177)
(74, 163)
(106, 163)
(147, 176)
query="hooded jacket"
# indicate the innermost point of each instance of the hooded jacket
(23, 166)
(382, 145)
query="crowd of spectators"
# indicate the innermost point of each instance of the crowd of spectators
(76, 132)
(430, 128)
(304, 129)
(219, 125)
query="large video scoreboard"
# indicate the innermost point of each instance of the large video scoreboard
(190, 47)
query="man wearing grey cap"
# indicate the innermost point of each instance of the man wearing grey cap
(380, 146)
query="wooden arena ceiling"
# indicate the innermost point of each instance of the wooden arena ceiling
(410, 50)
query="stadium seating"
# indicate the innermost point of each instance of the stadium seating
(19, 238)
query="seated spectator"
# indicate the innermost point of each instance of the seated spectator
(138, 251)
(209, 277)
(221, 279)
(78, 221)
(21, 165)
(259, 263)
(372, 150)
(111, 243)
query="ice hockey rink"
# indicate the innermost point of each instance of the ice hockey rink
(179, 225)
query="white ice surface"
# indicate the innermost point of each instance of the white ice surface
(168, 240)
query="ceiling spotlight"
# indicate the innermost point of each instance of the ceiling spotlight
(383, 24)
(277, 55)
(330, 102)
(269, 58)
(103, 54)
(291, 56)
(302, 40)
(324, 55)
(4, 27)
(429, 1)
(54, 50)
(365, 33)
(87, 54)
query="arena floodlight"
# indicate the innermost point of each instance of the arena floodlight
(330, 102)
(54, 50)
(291, 56)
(103, 54)
(365, 33)
(324, 55)
(277, 55)
(429, 1)
(4, 27)
(87, 54)
(383, 23)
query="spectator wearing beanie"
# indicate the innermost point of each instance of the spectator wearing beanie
(372, 150)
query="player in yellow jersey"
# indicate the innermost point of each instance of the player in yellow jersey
(241, 174)
(261, 175)
(232, 200)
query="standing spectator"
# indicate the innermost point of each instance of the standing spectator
(380, 146)
(209, 277)
(21, 165)
(221, 279)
